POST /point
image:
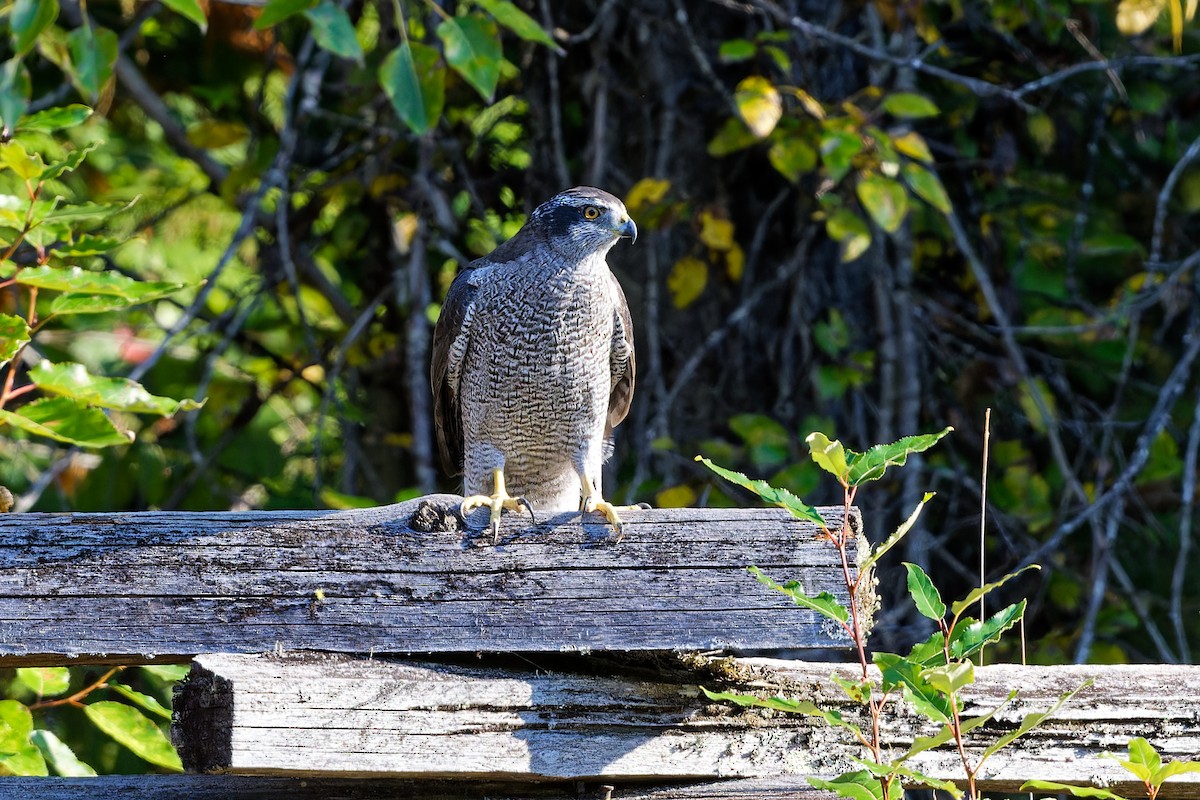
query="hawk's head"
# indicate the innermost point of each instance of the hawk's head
(583, 220)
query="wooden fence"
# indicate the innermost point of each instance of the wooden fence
(388, 653)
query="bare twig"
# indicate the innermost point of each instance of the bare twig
(1159, 416)
(1160, 209)
(1102, 552)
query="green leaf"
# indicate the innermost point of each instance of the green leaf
(29, 18)
(77, 279)
(828, 455)
(1053, 787)
(144, 700)
(858, 691)
(824, 603)
(60, 757)
(1173, 768)
(792, 157)
(131, 728)
(167, 673)
(759, 103)
(909, 106)
(924, 593)
(66, 420)
(805, 707)
(899, 534)
(189, 9)
(53, 120)
(973, 596)
(68, 164)
(950, 678)
(838, 149)
(780, 497)
(519, 23)
(911, 776)
(861, 785)
(766, 439)
(849, 229)
(276, 11)
(14, 92)
(1031, 721)
(45, 681)
(899, 672)
(927, 185)
(93, 53)
(1143, 760)
(73, 380)
(735, 50)
(733, 136)
(18, 754)
(472, 48)
(970, 636)
(14, 333)
(27, 166)
(871, 465)
(884, 199)
(87, 245)
(408, 92)
(333, 30)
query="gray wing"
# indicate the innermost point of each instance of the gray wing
(445, 367)
(451, 338)
(621, 361)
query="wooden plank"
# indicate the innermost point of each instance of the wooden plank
(243, 787)
(137, 586)
(531, 720)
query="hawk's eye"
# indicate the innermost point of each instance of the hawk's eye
(591, 212)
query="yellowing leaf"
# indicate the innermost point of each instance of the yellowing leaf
(1041, 130)
(810, 103)
(715, 232)
(680, 496)
(848, 228)
(733, 136)
(1136, 16)
(759, 103)
(212, 134)
(885, 200)
(646, 193)
(912, 144)
(735, 262)
(687, 281)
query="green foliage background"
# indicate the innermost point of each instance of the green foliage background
(868, 219)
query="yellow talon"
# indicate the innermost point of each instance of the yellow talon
(592, 501)
(497, 502)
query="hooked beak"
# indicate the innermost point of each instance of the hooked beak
(628, 228)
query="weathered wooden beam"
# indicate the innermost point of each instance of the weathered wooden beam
(404, 578)
(244, 787)
(329, 715)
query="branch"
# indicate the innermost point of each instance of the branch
(1160, 415)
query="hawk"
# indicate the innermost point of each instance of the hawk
(533, 362)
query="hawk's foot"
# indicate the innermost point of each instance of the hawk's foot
(497, 503)
(597, 503)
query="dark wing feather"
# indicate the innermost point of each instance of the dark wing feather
(447, 405)
(623, 361)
